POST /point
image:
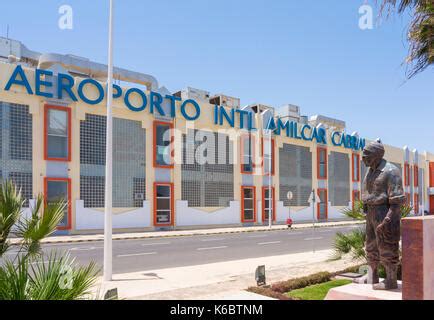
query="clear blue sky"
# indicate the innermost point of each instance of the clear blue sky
(309, 53)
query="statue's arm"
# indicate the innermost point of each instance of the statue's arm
(396, 195)
(364, 197)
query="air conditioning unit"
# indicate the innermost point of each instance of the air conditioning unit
(192, 93)
(290, 112)
(139, 196)
(259, 108)
(226, 101)
(9, 47)
(327, 122)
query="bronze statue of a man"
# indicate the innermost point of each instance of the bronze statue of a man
(382, 197)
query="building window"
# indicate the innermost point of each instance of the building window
(356, 167)
(163, 204)
(322, 163)
(58, 189)
(416, 203)
(268, 204)
(406, 174)
(416, 176)
(322, 205)
(267, 157)
(356, 197)
(57, 133)
(248, 204)
(163, 144)
(247, 153)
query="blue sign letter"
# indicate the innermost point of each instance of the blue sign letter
(39, 82)
(140, 93)
(23, 82)
(98, 87)
(65, 86)
(195, 105)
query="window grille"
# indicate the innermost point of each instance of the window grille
(129, 165)
(16, 147)
(295, 174)
(339, 179)
(209, 184)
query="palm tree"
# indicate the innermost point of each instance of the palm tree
(31, 275)
(353, 243)
(420, 32)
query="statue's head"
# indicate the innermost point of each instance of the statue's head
(373, 153)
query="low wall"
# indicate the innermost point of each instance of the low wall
(91, 219)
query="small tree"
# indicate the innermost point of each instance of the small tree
(29, 275)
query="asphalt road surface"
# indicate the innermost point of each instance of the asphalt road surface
(158, 253)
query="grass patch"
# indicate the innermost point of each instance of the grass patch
(317, 291)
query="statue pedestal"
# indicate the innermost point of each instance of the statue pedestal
(418, 258)
(355, 291)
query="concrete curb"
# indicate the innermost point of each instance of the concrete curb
(183, 233)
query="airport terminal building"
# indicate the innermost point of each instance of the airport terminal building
(180, 159)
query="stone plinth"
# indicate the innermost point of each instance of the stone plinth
(355, 291)
(418, 258)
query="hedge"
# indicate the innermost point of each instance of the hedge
(278, 290)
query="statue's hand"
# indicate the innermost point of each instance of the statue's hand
(382, 225)
(380, 228)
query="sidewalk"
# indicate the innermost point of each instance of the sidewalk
(180, 233)
(218, 281)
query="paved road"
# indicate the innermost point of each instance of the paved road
(149, 254)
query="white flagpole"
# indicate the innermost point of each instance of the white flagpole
(109, 159)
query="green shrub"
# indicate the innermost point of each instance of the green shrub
(298, 283)
(31, 274)
(352, 269)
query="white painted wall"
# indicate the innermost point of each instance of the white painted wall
(186, 216)
(335, 212)
(282, 213)
(299, 215)
(89, 219)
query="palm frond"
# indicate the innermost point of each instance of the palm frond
(352, 243)
(420, 34)
(58, 278)
(406, 210)
(356, 212)
(42, 223)
(11, 204)
(14, 279)
(54, 278)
